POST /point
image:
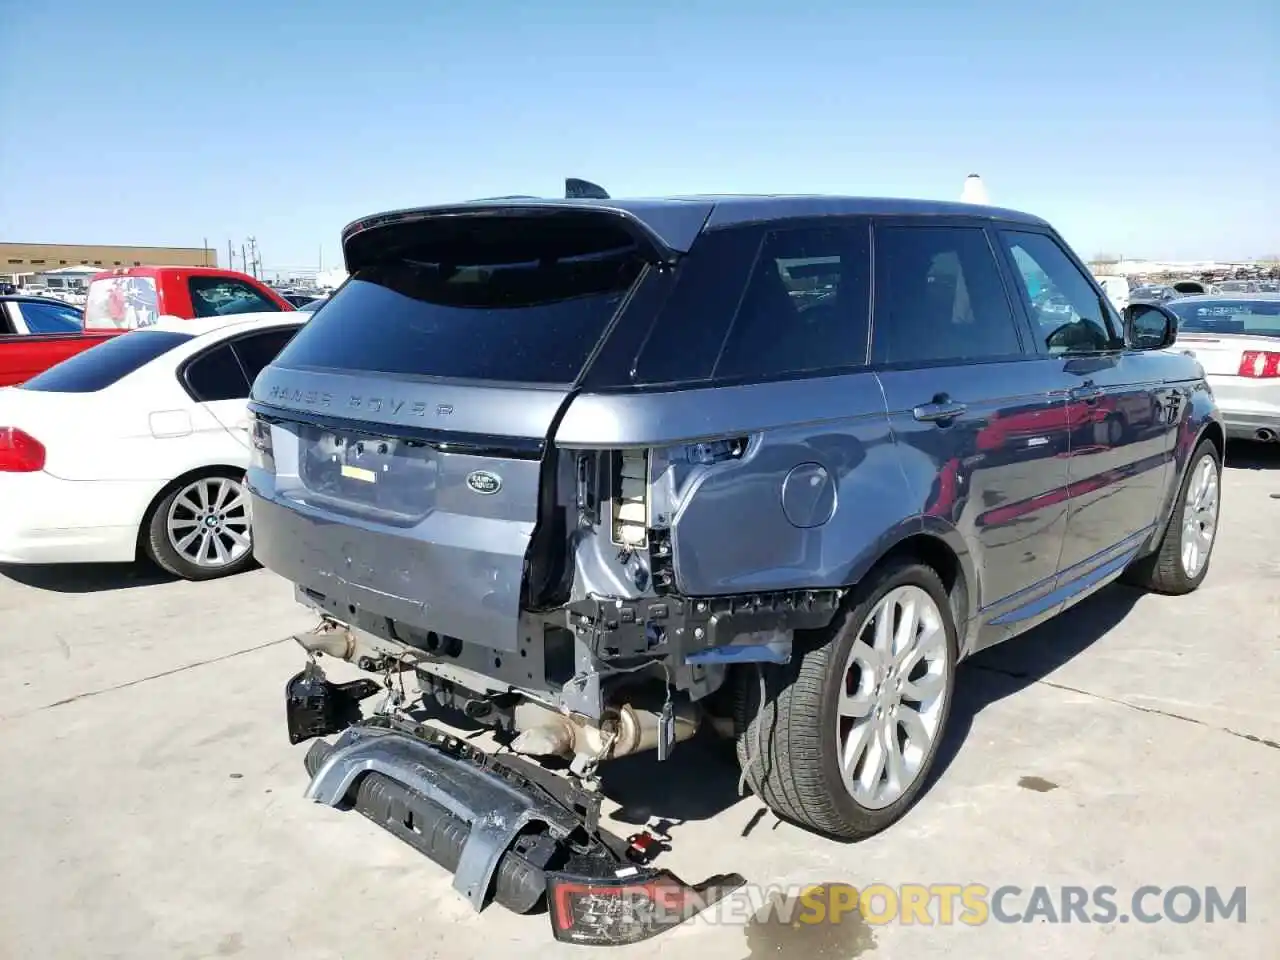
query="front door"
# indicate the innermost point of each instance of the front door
(1118, 408)
(977, 431)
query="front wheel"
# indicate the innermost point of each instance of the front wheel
(201, 529)
(1181, 562)
(848, 730)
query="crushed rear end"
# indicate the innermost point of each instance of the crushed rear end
(407, 478)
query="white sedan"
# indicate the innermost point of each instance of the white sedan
(138, 446)
(1236, 338)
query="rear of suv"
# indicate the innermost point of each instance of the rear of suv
(602, 472)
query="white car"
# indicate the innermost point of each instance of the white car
(1236, 338)
(138, 446)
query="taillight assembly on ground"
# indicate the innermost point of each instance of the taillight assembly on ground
(20, 452)
(632, 905)
(1259, 364)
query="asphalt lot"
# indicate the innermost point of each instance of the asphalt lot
(151, 803)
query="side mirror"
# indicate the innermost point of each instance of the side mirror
(1149, 326)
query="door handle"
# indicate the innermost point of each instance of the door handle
(938, 411)
(1088, 391)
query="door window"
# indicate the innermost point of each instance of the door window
(1067, 313)
(258, 350)
(804, 307)
(217, 375)
(50, 318)
(939, 296)
(219, 296)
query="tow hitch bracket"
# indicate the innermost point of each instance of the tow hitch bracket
(496, 811)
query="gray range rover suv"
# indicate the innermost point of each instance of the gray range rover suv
(603, 472)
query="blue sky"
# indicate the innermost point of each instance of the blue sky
(1137, 128)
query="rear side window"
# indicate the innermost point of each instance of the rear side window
(227, 371)
(939, 296)
(255, 352)
(220, 297)
(515, 299)
(217, 375)
(121, 303)
(102, 365)
(805, 306)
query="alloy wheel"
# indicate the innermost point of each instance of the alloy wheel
(893, 697)
(208, 522)
(1199, 517)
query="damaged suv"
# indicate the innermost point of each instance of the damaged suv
(599, 473)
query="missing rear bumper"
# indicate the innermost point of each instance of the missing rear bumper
(508, 831)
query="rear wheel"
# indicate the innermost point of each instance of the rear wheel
(849, 729)
(201, 529)
(1182, 560)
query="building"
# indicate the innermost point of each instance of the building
(21, 261)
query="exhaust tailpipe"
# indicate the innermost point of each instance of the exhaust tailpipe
(1265, 435)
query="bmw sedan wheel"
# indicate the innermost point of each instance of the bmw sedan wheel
(1181, 561)
(845, 734)
(201, 529)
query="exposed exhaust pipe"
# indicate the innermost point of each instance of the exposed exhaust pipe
(330, 637)
(1265, 435)
(545, 733)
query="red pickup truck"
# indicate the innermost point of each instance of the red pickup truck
(36, 333)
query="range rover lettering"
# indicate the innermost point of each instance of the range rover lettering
(768, 466)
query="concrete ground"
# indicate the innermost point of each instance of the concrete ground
(151, 804)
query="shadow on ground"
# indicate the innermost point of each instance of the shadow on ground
(85, 577)
(1243, 455)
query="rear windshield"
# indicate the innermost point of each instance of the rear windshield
(504, 299)
(102, 365)
(121, 303)
(1250, 318)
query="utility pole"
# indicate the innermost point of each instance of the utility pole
(204, 251)
(231, 256)
(244, 263)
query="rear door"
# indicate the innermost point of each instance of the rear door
(408, 419)
(965, 395)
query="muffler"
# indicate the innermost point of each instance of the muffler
(621, 732)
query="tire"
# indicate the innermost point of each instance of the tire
(174, 554)
(1167, 570)
(789, 747)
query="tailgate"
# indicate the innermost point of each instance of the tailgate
(427, 528)
(402, 435)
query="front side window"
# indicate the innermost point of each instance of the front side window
(939, 296)
(805, 306)
(220, 297)
(50, 318)
(102, 365)
(1069, 316)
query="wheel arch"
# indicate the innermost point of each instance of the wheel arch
(938, 545)
(206, 470)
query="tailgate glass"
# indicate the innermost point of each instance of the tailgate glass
(498, 299)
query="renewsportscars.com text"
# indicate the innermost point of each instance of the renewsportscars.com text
(975, 904)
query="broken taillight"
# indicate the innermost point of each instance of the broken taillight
(632, 905)
(20, 452)
(261, 451)
(1259, 364)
